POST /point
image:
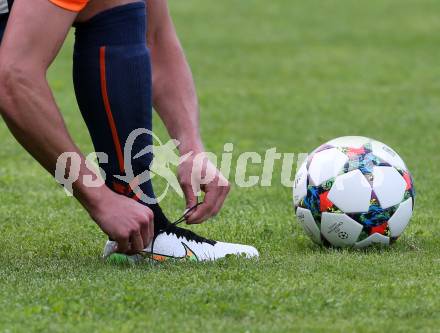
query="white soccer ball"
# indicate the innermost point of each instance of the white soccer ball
(352, 192)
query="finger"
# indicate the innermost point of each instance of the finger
(150, 232)
(190, 197)
(122, 245)
(206, 209)
(145, 232)
(221, 200)
(147, 228)
(137, 244)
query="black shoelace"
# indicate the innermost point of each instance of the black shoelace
(172, 228)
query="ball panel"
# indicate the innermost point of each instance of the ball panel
(362, 159)
(351, 192)
(375, 238)
(409, 190)
(387, 154)
(389, 186)
(339, 229)
(305, 218)
(349, 141)
(316, 200)
(376, 217)
(400, 218)
(321, 148)
(325, 165)
(300, 184)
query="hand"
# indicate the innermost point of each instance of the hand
(125, 221)
(197, 173)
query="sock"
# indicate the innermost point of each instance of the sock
(3, 21)
(112, 80)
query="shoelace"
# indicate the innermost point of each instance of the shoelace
(185, 214)
(188, 234)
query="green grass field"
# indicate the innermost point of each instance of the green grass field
(286, 74)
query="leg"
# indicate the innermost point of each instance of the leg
(112, 79)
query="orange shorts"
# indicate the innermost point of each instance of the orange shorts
(73, 5)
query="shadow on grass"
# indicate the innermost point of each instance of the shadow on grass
(141, 262)
(407, 244)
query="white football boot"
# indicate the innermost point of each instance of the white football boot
(180, 244)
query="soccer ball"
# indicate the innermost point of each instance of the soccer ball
(352, 192)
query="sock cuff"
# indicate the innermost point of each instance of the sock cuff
(122, 25)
